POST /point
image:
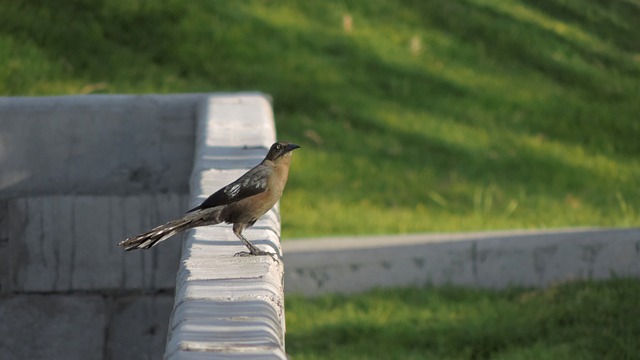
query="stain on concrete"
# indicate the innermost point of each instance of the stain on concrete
(589, 255)
(542, 256)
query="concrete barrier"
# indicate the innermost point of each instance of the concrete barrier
(486, 259)
(79, 174)
(97, 144)
(229, 306)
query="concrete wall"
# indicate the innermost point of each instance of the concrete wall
(79, 174)
(96, 144)
(486, 259)
(226, 306)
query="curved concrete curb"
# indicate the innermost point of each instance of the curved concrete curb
(486, 259)
(226, 306)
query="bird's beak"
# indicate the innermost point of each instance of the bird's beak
(291, 147)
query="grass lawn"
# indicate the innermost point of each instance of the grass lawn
(589, 320)
(413, 115)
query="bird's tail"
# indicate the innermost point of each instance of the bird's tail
(156, 235)
(209, 216)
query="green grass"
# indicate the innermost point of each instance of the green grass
(589, 320)
(425, 116)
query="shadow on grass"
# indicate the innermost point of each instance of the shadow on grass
(610, 20)
(579, 320)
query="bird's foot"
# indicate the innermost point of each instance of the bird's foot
(256, 252)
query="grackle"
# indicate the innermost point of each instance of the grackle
(240, 203)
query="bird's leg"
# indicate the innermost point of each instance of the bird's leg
(253, 250)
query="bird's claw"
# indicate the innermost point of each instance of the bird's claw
(256, 252)
(242, 254)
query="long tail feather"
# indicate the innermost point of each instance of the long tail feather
(210, 216)
(155, 235)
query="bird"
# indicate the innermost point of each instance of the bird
(240, 203)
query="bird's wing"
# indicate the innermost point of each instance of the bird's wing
(251, 183)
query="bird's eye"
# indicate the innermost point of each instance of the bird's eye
(278, 146)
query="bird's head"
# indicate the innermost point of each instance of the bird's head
(279, 150)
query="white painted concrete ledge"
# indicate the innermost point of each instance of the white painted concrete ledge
(496, 259)
(226, 306)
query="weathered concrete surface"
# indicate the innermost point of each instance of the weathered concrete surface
(48, 327)
(84, 326)
(226, 306)
(78, 174)
(490, 259)
(66, 243)
(138, 327)
(96, 144)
